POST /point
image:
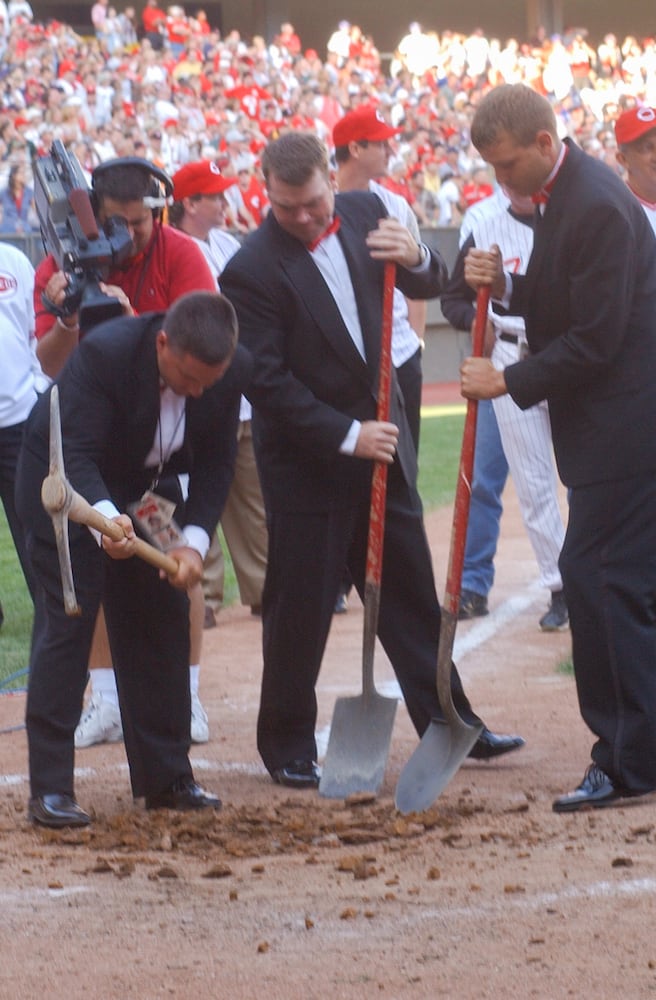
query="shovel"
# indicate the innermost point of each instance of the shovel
(361, 727)
(446, 742)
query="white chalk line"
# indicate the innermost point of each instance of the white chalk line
(528, 901)
(632, 888)
(198, 764)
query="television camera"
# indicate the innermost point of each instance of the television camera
(70, 232)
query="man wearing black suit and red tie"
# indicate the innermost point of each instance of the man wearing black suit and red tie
(143, 401)
(307, 287)
(589, 301)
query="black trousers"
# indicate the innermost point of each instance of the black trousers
(608, 565)
(148, 627)
(307, 553)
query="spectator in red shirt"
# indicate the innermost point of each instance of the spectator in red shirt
(270, 120)
(252, 191)
(153, 19)
(249, 94)
(177, 29)
(288, 39)
(477, 188)
(396, 180)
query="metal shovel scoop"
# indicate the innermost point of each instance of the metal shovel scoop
(446, 742)
(361, 728)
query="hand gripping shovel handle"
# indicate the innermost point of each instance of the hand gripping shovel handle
(373, 572)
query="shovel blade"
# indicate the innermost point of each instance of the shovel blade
(360, 735)
(440, 752)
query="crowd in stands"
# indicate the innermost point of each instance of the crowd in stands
(170, 87)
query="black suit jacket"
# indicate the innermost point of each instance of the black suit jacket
(309, 381)
(589, 300)
(109, 394)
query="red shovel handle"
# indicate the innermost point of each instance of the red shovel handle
(466, 470)
(379, 479)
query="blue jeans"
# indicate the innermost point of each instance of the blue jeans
(490, 474)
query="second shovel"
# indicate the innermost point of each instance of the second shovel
(446, 742)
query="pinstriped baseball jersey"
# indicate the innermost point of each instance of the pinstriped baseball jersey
(515, 239)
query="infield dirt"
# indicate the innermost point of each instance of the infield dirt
(288, 896)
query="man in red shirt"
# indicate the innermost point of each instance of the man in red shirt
(477, 188)
(252, 191)
(249, 94)
(153, 19)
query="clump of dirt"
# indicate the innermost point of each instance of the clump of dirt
(294, 826)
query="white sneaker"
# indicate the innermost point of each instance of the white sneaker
(100, 723)
(200, 732)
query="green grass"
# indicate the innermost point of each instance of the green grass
(439, 453)
(17, 606)
(230, 588)
(566, 667)
(440, 443)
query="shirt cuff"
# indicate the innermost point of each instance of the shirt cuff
(108, 509)
(197, 538)
(424, 263)
(347, 446)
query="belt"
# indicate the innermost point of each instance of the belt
(510, 338)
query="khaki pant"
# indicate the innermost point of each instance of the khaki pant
(244, 526)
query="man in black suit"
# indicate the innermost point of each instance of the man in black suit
(589, 301)
(143, 401)
(307, 287)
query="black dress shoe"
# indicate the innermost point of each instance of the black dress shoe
(298, 774)
(596, 791)
(183, 794)
(556, 619)
(56, 811)
(490, 745)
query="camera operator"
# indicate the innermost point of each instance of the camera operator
(164, 265)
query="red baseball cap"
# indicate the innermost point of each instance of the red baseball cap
(202, 177)
(365, 122)
(633, 124)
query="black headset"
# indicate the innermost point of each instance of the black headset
(154, 199)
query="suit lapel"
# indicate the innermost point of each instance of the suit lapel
(369, 309)
(315, 294)
(547, 226)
